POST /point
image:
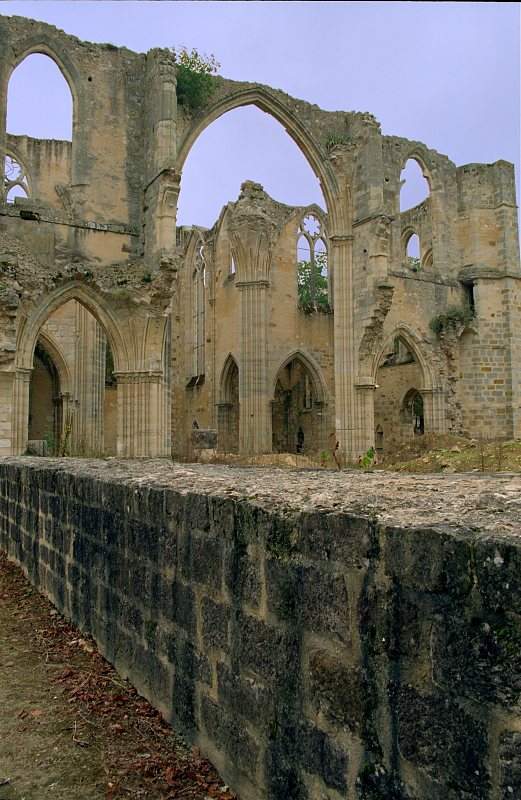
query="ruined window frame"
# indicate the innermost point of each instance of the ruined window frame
(198, 315)
(20, 179)
(310, 297)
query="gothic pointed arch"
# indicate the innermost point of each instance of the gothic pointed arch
(230, 367)
(92, 301)
(298, 401)
(268, 102)
(228, 407)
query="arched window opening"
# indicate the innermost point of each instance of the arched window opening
(312, 266)
(39, 100)
(198, 316)
(412, 411)
(233, 267)
(412, 253)
(414, 188)
(40, 107)
(85, 409)
(297, 423)
(227, 153)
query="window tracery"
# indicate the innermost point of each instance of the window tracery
(312, 266)
(16, 183)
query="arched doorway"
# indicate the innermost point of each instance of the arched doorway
(88, 422)
(297, 418)
(76, 329)
(228, 409)
(45, 411)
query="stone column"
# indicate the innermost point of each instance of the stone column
(20, 410)
(254, 394)
(252, 232)
(434, 415)
(162, 183)
(365, 389)
(346, 402)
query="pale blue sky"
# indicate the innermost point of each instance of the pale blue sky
(447, 74)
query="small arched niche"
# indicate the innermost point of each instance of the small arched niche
(228, 408)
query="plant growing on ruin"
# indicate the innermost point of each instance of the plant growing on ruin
(453, 318)
(195, 73)
(413, 263)
(367, 460)
(336, 139)
(312, 284)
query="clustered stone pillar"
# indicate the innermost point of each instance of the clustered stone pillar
(89, 380)
(252, 234)
(346, 410)
(20, 416)
(162, 187)
(254, 397)
(142, 411)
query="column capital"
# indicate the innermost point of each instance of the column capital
(261, 282)
(339, 238)
(365, 382)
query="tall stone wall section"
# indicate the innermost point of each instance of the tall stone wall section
(308, 654)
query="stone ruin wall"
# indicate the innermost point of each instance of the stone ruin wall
(100, 228)
(348, 641)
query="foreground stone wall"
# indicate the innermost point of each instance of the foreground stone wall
(318, 635)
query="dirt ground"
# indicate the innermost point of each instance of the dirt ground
(70, 727)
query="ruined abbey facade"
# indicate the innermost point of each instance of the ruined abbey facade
(123, 334)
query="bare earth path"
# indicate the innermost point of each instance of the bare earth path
(70, 728)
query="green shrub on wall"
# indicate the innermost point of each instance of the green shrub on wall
(194, 76)
(454, 317)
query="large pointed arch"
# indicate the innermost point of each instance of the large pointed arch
(93, 302)
(266, 101)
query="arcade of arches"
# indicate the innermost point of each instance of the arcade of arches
(363, 322)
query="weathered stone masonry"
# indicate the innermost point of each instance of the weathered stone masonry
(331, 653)
(99, 229)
